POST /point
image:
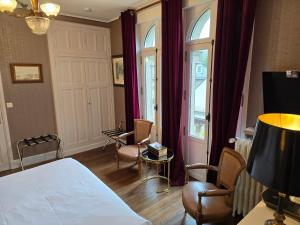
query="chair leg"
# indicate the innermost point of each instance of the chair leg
(140, 167)
(118, 161)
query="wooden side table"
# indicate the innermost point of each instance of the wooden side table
(147, 157)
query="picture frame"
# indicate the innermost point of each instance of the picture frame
(118, 70)
(26, 73)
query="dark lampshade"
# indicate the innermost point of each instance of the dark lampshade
(274, 159)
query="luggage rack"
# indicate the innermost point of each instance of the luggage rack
(113, 134)
(33, 141)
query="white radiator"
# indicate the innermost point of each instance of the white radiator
(248, 191)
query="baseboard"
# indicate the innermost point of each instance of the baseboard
(4, 167)
(73, 151)
(34, 159)
(51, 155)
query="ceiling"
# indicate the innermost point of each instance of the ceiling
(101, 10)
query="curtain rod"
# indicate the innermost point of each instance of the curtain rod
(148, 6)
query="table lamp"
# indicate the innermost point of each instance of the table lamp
(274, 158)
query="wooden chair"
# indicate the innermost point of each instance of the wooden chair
(208, 203)
(142, 130)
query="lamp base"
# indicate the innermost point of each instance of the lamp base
(279, 218)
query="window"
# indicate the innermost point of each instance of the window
(198, 79)
(150, 38)
(201, 28)
(150, 87)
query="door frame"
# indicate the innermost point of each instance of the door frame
(4, 120)
(191, 13)
(157, 123)
(142, 30)
(186, 102)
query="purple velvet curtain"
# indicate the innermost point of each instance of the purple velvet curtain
(233, 37)
(128, 19)
(172, 84)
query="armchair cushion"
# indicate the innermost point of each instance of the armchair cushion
(130, 152)
(213, 208)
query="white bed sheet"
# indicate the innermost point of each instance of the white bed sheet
(63, 192)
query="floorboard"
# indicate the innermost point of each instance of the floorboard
(159, 208)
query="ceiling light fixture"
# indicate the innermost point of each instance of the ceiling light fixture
(8, 5)
(50, 9)
(37, 20)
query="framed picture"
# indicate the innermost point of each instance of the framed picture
(26, 73)
(118, 70)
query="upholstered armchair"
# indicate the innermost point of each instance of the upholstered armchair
(209, 203)
(128, 153)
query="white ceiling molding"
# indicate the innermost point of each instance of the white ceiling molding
(101, 10)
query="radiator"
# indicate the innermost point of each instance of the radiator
(248, 191)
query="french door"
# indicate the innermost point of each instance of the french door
(150, 90)
(198, 61)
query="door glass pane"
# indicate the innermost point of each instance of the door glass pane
(150, 87)
(198, 80)
(201, 28)
(150, 38)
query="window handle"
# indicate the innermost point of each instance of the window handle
(207, 117)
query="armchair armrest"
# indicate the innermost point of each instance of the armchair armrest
(215, 192)
(125, 135)
(122, 136)
(198, 166)
(211, 193)
(146, 140)
(201, 166)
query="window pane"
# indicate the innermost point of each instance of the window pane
(198, 79)
(150, 87)
(150, 38)
(202, 27)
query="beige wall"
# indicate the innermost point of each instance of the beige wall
(117, 49)
(276, 46)
(33, 111)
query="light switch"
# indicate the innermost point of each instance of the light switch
(9, 105)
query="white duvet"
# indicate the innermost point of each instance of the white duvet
(63, 192)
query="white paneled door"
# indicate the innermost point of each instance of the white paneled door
(82, 84)
(5, 147)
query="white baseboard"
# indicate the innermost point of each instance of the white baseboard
(50, 155)
(4, 167)
(76, 150)
(34, 159)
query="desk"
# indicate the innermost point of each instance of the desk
(261, 213)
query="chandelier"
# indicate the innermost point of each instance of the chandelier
(37, 17)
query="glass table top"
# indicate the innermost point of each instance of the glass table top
(146, 155)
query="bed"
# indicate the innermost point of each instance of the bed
(63, 192)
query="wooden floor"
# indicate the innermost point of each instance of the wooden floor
(159, 208)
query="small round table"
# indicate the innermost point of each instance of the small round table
(152, 159)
